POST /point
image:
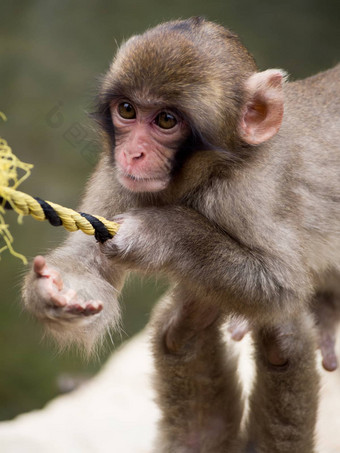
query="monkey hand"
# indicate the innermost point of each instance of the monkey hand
(74, 300)
(137, 244)
(56, 302)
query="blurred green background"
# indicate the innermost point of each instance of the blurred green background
(51, 53)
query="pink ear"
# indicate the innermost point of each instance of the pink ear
(263, 111)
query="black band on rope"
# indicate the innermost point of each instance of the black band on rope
(49, 212)
(101, 233)
(6, 205)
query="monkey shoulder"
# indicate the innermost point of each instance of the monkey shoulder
(245, 209)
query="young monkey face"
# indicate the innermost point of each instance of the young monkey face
(147, 139)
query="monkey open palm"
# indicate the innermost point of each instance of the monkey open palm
(225, 179)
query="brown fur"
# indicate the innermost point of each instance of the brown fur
(245, 230)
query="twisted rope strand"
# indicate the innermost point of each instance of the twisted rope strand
(24, 204)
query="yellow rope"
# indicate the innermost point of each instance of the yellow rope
(24, 204)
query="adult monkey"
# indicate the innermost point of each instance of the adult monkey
(239, 210)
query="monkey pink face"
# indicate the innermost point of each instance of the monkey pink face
(146, 142)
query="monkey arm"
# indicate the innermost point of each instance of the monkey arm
(74, 289)
(185, 245)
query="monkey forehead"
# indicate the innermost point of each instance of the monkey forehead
(178, 54)
(169, 66)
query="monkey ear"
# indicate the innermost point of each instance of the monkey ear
(263, 112)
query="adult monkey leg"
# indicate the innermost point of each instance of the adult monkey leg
(198, 388)
(284, 400)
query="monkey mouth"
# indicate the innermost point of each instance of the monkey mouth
(138, 178)
(143, 184)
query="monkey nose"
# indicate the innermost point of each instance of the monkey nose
(137, 155)
(132, 156)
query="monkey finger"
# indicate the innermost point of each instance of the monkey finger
(49, 292)
(42, 270)
(39, 265)
(78, 306)
(93, 307)
(56, 279)
(63, 298)
(88, 308)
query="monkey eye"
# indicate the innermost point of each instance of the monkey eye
(126, 111)
(165, 120)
